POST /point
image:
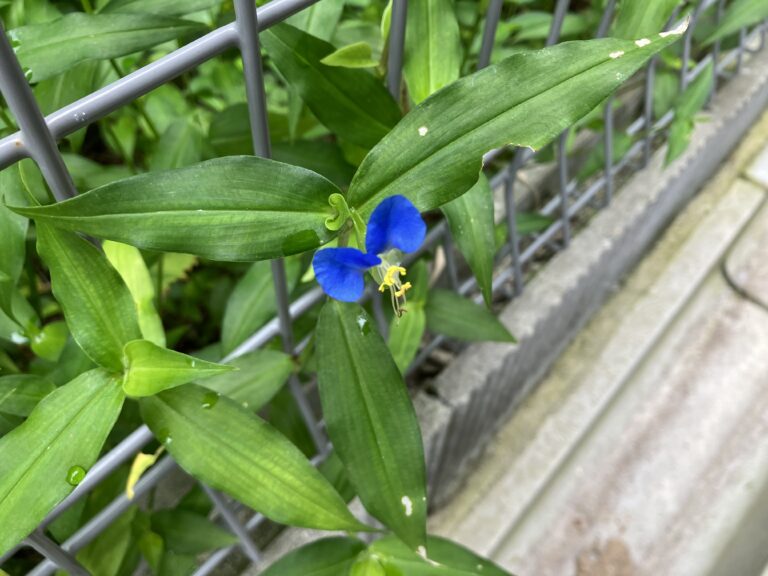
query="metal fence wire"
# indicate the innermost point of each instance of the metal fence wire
(37, 138)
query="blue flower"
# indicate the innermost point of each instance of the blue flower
(395, 227)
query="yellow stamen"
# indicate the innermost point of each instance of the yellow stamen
(391, 277)
(403, 290)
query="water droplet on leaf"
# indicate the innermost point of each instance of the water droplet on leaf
(164, 436)
(209, 400)
(75, 475)
(363, 325)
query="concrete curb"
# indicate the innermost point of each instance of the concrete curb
(478, 390)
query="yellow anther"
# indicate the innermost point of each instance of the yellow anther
(391, 277)
(400, 293)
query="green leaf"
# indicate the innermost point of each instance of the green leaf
(371, 421)
(535, 25)
(130, 264)
(240, 208)
(259, 376)
(49, 342)
(531, 222)
(457, 317)
(357, 55)
(42, 459)
(53, 47)
(87, 174)
(185, 532)
(740, 14)
(320, 19)
(446, 558)
(432, 47)
(252, 303)
(352, 103)
(320, 156)
(230, 136)
(150, 369)
(180, 145)
(13, 231)
(470, 217)
(20, 393)
(642, 18)
(405, 333)
(367, 565)
(326, 557)
(105, 555)
(435, 153)
(96, 303)
(159, 7)
(234, 451)
(687, 106)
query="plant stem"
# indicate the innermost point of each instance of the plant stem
(87, 6)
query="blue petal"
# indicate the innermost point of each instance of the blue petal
(395, 223)
(340, 272)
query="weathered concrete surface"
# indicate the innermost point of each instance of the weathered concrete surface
(667, 472)
(544, 430)
(758, 169)
(643, 452)
(747, 264)
(486, 383)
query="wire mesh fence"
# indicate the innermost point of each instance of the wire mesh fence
(574, 200)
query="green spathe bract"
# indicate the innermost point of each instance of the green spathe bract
(150, 368)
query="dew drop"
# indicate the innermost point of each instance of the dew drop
(209, 400)
(164, 436)
(19, 339)
(363, 325)
(75, 475)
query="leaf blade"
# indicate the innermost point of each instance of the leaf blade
(238, 453)
(435, 153)
(150, 369)
(52, 47)
(371, 420)
(97, 305)
(242, 209)
(470, 218)
(432, 47)
(350, 102)
(73, 422)
(455, 316)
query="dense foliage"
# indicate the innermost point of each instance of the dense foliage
(118, 305)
